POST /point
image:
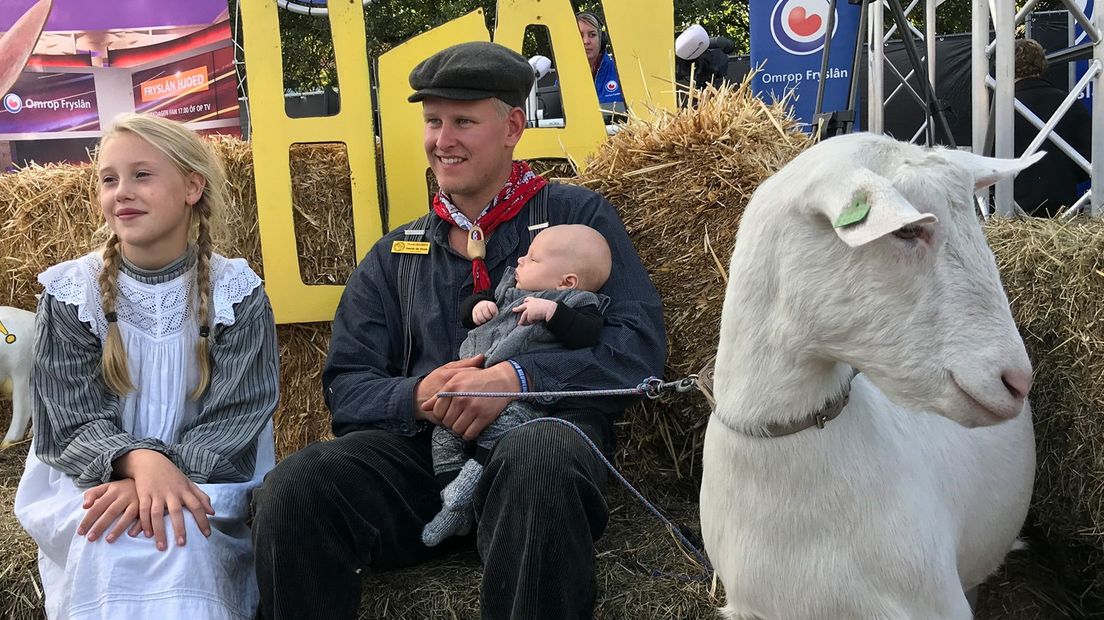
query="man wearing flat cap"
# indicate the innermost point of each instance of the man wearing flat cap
(336, 509)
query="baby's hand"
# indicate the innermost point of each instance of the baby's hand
(534, 310)
(484, 311)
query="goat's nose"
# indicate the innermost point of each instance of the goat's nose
(1017, 382)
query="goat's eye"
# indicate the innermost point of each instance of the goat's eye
(909, 232)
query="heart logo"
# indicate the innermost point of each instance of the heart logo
(798, 26)
(803, 25)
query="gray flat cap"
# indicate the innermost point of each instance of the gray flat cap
(473, 71)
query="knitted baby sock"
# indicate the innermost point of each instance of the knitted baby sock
(456, 517)
(461, 490)
(448, 523)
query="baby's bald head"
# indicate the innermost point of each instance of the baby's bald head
(559, 252)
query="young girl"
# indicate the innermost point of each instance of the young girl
(155, 379)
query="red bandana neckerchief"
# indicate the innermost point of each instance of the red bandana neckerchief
(522, 185)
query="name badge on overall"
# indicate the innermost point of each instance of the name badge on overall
(410, 247)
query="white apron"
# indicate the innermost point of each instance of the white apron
(209, 578)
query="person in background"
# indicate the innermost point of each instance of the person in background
(607, 84)
(1049, 186)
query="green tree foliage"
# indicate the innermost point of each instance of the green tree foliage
(308, 56)
(308, 51)
(727, 19)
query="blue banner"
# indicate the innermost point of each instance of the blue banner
(1079, 37)
(787, 43)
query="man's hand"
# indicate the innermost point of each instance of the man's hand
(469, 416)
(113, 502)
(484, 311)
(161, 488)
(432, 383)
(535, 310)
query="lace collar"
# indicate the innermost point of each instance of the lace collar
(159, 310)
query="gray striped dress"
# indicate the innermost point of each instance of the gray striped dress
(223, 441)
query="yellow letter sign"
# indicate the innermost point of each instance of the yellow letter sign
(645, 61)
(274, 133)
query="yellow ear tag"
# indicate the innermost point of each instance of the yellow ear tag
(410, 247)
(477, 244)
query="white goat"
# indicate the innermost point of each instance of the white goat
(894, 508)
(16, 342)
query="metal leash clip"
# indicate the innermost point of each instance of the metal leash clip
(654, 387)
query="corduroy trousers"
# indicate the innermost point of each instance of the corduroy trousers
(334, 510)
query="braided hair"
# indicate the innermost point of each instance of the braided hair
(189, 154)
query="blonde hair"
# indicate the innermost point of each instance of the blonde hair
(591, 20)
(502, 107)
(189, 154)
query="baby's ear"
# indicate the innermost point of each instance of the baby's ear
(569, 280)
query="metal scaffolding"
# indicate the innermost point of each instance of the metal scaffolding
(993, 96)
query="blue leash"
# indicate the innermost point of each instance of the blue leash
(671, 526)
(653, 388)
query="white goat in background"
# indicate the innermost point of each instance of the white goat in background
(17, 330)
(918, 489)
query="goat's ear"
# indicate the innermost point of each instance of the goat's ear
(866, 207)
(988, 170)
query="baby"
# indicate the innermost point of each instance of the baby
(549, 301)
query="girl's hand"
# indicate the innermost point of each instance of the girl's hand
(161, 488)
(115, 501)
(534, 310)
(484, 311)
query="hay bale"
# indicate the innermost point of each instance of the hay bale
(634, 546)
(241, 238)
(48, 218)
(302, 417)
(1053, 272)
(20, 592)
(322, 201)
(681, 183)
